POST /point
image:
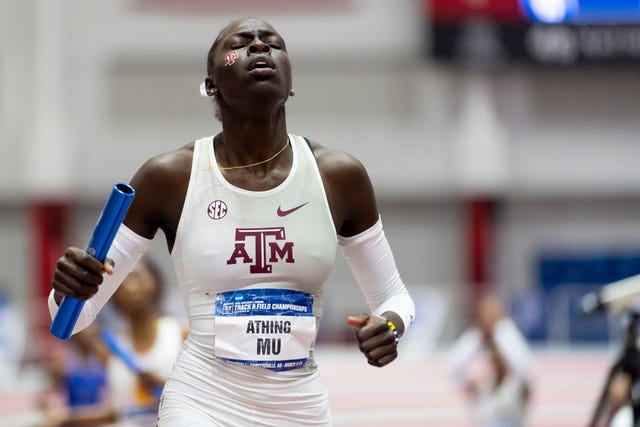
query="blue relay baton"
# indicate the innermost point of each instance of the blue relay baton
(104, 232)
(120, 350)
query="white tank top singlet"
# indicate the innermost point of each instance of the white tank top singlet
(251, 267)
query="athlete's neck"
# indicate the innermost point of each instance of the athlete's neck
(249, 142)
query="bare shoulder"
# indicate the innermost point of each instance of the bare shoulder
(338, 164)
(167, 165)
(161, 185)
(349, 190)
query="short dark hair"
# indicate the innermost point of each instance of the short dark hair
(211, 56)
(212, 51)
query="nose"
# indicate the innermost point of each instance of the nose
(258, 46)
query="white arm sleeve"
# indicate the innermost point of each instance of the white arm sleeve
(126, 250)
(371, 261)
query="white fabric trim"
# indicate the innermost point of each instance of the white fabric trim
(126, 250)
(371, 261)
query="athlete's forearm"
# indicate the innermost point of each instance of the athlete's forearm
(371, 261)
(126, 251)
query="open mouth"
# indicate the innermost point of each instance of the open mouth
(261, 63)
(262, 67)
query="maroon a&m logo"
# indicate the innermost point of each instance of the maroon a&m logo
(266, 248)
(217, 209)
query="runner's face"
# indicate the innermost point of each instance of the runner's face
(252, 60)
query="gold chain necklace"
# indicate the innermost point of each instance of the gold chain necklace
(280, 151)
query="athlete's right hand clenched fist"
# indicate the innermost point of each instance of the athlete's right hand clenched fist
(78, 275)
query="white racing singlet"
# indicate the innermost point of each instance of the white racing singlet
(251, 267)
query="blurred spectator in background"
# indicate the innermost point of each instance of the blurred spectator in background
(78, 376)
(618, 394)
(12, 339)
(491, 361)
(619, 404)
(137, 358)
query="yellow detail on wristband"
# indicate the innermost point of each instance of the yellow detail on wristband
(393, 329)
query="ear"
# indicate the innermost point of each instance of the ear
(210, 87)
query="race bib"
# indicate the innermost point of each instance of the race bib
(267, 328)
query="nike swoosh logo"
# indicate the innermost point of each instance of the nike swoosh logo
(289, 211)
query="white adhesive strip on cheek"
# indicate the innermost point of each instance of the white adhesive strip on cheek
(230, 58)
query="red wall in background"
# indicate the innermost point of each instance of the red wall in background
(49, 239)
(450, 11)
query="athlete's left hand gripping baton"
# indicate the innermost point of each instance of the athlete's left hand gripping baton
(104, 232)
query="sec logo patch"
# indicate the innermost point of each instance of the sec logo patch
(217, 209)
